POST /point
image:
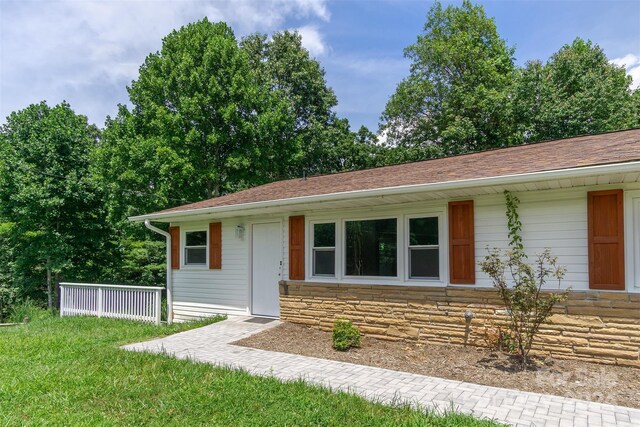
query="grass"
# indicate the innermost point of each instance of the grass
(70, 371)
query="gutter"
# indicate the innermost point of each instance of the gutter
(147, 223)
(403, 189)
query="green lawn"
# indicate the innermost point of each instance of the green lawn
(71, 372)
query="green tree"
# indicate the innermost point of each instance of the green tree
(635, 108)
(8, 291)
(578, 91)
(362, 150)
(457, 95)
(336, 149)
(325, 141)
(51, 206)
(212, 115)
(201, 125)
(142, 262)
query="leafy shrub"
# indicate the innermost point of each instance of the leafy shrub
(506, 342)
(345, 335)
(141, 262)
(525, 303)
(8, 296)
(25, 311)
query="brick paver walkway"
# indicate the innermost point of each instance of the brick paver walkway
(211, 344)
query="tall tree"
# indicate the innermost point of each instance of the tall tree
(456, 97)
(50, 205)
(283, 64)
(212, 115)
(201, 125)
(578, 91)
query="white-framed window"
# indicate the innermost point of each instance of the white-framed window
(423, 247)
(195, 247)
(324, 249)
(371, 247)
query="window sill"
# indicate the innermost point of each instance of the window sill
(356, 280)
(376, 278)
(199, 267)
(425, 282)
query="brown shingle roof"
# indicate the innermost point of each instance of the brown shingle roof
(613, 147)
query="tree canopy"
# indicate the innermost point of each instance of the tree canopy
(201, 124)
(324, 141)
(577, 91)
(456, 97)
(464, 92)
(51, 207)
(213, 115)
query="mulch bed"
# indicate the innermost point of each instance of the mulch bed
(580, 380)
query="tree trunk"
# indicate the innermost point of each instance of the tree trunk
(49, 287)
(56, 290)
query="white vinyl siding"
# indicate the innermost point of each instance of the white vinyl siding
(553, 218)
(558, 223)
(200, 292)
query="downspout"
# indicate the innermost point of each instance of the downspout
(167, 236)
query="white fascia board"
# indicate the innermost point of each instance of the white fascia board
(403, 189)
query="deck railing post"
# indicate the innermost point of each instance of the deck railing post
(100, 307)
(158, 301)
(62, 300)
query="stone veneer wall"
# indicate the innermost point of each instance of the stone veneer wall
(597, 326)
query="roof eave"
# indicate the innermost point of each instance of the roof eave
(633, 166)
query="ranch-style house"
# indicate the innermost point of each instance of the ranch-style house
(396, 249)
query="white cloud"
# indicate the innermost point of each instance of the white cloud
(314, 8)
(631, 64)
(312, 40)
(626, 61)
(88, 51)
(634, 72)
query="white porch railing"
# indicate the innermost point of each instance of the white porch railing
(141, 303)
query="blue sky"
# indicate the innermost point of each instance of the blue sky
(86, 51)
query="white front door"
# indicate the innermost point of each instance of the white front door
(266, 251)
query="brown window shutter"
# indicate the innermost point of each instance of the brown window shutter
(215, 246)
(461, 243)
(175, 247)
(296, 247)
(606, 239)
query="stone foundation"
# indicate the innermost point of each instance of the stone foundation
(597, 326)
